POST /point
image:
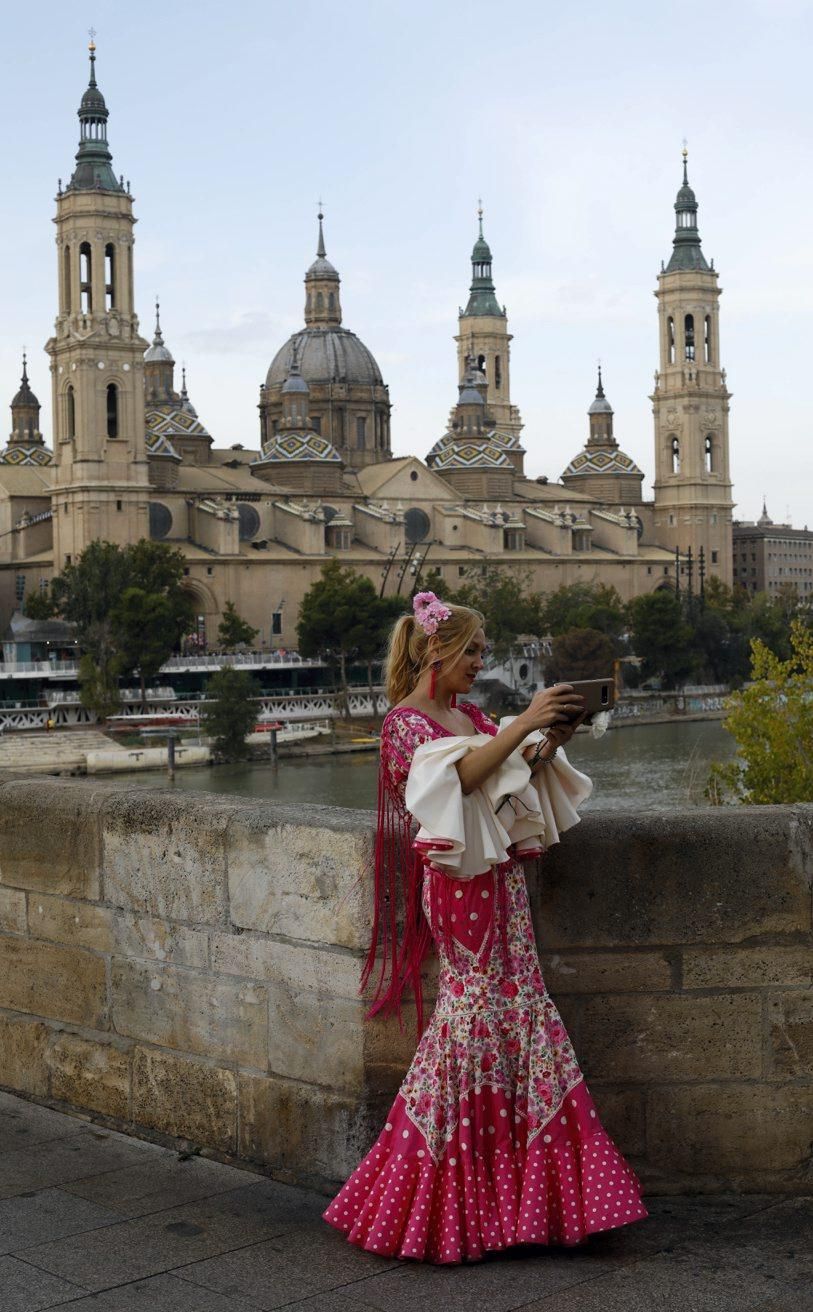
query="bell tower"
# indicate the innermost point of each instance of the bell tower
(483, 337)
(100, 487)
(691, 403)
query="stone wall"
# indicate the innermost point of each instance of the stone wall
(186, 965)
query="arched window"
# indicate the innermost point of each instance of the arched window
(109, 276)
(497, 372)
(320, 301)
(112, 410)
(709, 451)
(688, 336)
(361, 431)
(481, 363)
(670, 340)
(71, 412)
(707, 339)
(66, 280)
(331, 302)
(85, 278)
(675, 449)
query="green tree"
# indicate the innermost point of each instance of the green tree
(86, 594)
(504, 599)
(130, 610)
(662, 637)
(337, 615)
(230, 713)
(39, 606)
(771, 722)
(582, 606)
(372, 640)
(580, 654)
(233, 631)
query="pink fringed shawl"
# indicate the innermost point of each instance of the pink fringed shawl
(399, 868)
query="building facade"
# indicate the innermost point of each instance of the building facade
(132, 458)
(772, 557)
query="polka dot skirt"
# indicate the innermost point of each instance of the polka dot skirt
(494, 1187)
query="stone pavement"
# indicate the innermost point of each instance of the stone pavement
(94, 1221)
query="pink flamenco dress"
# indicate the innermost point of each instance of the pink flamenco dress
(493, 1140)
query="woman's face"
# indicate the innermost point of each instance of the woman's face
(466, 668)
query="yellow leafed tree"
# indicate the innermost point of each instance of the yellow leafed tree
(772, 723)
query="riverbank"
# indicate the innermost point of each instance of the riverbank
(95, 752)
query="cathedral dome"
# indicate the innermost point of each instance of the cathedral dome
(326, 355)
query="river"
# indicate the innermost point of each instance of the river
(651, 767)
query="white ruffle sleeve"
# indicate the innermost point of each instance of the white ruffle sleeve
(474, 831)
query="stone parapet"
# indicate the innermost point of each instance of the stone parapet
(187, 965)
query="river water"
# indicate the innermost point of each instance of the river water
(647, 767)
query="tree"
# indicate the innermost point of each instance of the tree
(229, 712)
(771, 722)
(233, 631)
(337, 614)
(661, 636)
(130, 610)
(582, 606)
(504, 599)
(580, 654)
(372, 641)
(85, 594)
(39, 606)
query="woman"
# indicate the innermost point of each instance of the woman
(493, 1139)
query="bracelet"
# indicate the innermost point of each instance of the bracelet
(537, 758)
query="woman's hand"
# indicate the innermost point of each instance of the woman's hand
(556, 736)
(552, 706)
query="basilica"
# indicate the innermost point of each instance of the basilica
(130, 457)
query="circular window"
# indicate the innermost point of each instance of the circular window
(416, 525)
(413, 474)
(249, 521)
(160, 519)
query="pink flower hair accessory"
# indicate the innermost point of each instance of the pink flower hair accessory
(429, 612)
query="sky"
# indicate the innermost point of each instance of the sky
(231, 121)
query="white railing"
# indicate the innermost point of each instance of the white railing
(257, 660)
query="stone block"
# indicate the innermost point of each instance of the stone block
(223, 1019)
(307, 1134)
(302, 873)
(62, 983)
(665, 889)
(191, 1099)
(606, 972)
(89, 1074)
(315, 1038)
(671, 1037)
(328, 970)
(790, 1020)
(753, 967)
(22, 1055)
(49, 836)
(164, 855)
(622, 1113)
(12, 911)
(730, 1130)
(106, 929)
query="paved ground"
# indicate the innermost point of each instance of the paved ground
(94, 1221)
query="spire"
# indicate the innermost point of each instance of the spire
(320, 248)
(764, 520)
(322, 305)
(25, 412)
(93, 170)
(601, 418)
(482, 300)
(186, 404)
(686, 253)
(159, 351)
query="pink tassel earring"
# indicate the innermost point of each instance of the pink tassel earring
(433, 679)
(453, 700)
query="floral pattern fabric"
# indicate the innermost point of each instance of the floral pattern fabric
(493, 1139)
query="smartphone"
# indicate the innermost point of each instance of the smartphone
(598, 694)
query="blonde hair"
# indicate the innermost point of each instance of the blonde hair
(408, 652)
